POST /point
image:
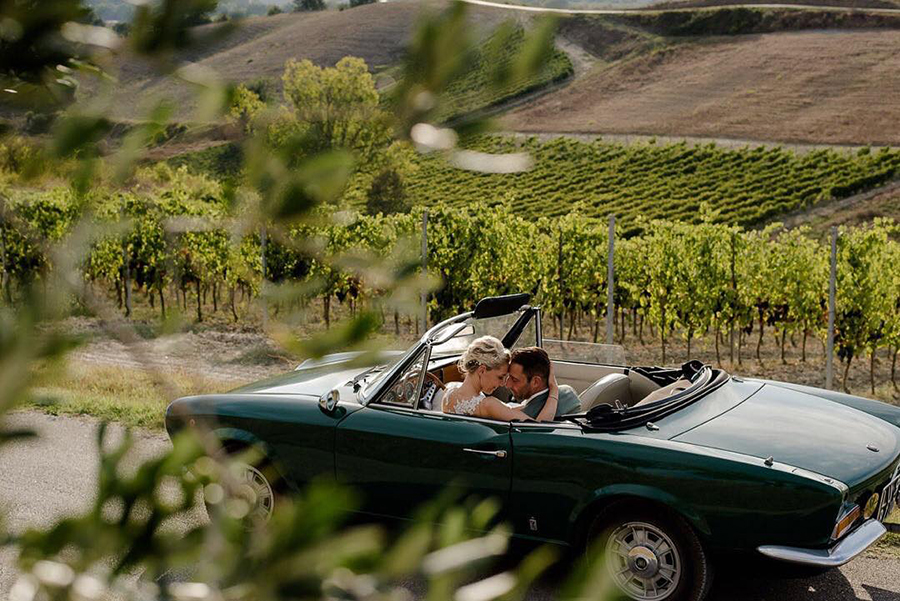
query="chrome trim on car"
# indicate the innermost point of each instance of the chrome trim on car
(855, 543)
(431, 334)
(501, 454)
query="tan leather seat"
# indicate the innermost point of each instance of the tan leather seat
(665, 391)
(607, 390)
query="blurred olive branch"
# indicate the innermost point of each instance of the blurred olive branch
(148, 520)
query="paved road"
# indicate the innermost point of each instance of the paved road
(54, 475)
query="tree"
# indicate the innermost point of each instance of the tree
(387, 194)
(308, 5)
(200, 12)
(360, 2)
(245, 105)
(274, 10)
(334, 108)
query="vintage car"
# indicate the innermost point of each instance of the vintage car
(665, 483)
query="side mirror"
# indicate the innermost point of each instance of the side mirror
(329, 400)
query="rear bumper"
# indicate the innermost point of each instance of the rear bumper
(855, 543)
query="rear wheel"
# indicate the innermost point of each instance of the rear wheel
(651, 555)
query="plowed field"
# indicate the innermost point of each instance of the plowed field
(813, 86)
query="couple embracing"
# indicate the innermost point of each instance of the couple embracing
(526, 372)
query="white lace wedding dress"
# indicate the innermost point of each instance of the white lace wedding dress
(463, 406)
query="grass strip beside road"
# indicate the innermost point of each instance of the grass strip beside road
(126, 395)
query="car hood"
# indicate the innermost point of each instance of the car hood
(316, 377)
(804, 431)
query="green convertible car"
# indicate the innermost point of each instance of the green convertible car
(666, 480)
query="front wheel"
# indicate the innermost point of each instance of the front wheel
(651, 555)
(252, 480)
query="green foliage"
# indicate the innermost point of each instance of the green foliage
(38, 122)
(308, 5)
(160, 28)
(650, 181)
(387, 194)
(740, 20)
(360, 2)
(334, 108)
(152, 229)
(245, 106)
(32, 57)
(491, 76)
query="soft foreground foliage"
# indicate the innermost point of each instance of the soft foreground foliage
(105, 220)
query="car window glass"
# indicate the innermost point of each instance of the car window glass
(405, 390)
(585, 352)
(492, 326)
(528, 337)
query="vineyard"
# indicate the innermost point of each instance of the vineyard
(474, 90)
(673, 281)
(743, 186)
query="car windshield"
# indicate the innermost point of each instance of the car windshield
(376, 373)
(476, 328)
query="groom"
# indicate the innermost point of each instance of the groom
(529, 370)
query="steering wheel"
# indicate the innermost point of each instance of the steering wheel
(403, 390)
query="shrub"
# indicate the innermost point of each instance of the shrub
(387, 194)
(38, 122)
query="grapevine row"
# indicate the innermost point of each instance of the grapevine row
(678, 279)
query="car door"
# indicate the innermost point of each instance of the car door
(399, 458)
(547, 482)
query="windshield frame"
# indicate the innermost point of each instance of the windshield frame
(370, 392)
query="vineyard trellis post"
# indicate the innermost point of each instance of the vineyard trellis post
(262, 284)
(610, 280)
(559, 276)
(424, 298)
(126, 277)
(4, 277)
(733, 300)
(829, 356)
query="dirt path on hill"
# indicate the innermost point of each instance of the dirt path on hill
(828, 209)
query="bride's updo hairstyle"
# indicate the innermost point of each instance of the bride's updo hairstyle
(487, 351)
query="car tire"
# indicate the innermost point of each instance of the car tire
(651, 554)
(258, 482)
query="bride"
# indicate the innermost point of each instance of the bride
(485, 364)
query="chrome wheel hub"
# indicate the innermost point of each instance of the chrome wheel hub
(254, 488)
(643, 561)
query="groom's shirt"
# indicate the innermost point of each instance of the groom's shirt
(568, 402)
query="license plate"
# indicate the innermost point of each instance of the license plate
(889, 496)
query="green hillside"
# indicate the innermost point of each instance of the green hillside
(474, 90)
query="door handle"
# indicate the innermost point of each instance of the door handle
(500, 454)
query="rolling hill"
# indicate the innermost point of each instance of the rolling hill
(377, 33)
(732, 73)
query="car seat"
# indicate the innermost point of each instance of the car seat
(607, 390)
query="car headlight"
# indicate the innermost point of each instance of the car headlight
(847, 519)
